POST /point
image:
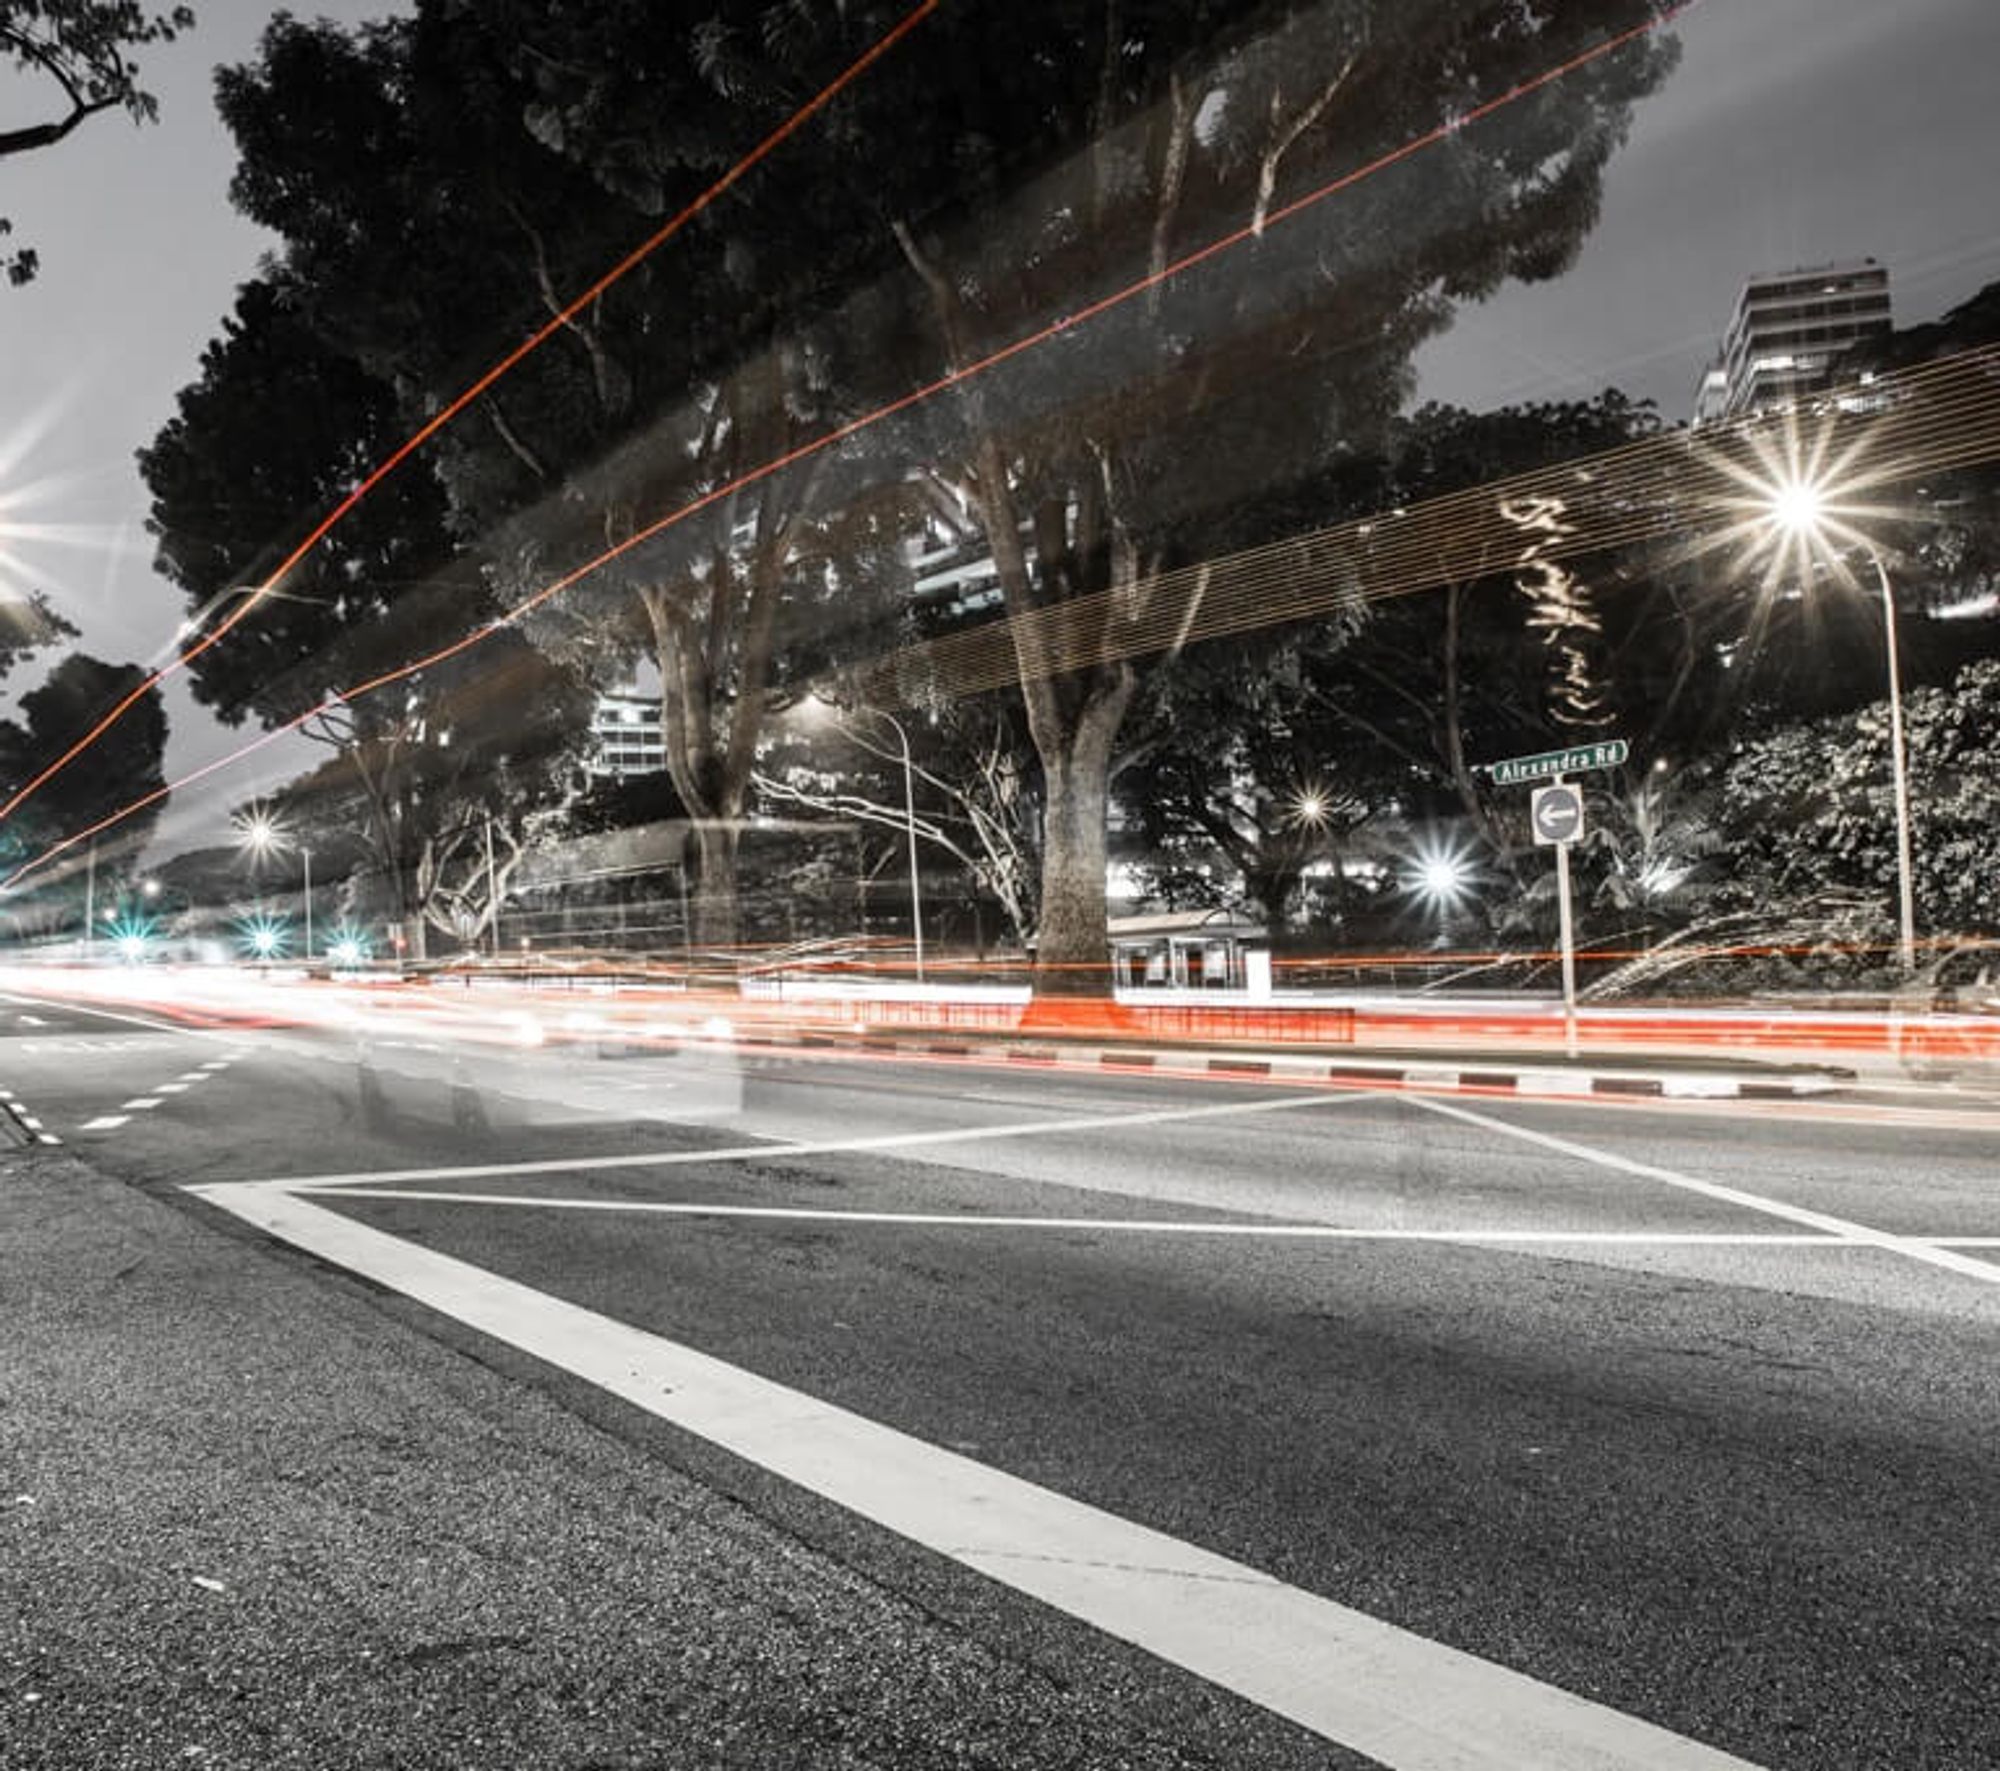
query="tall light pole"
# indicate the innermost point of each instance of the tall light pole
(910, 829)
(1906, 925)
(90, 899)
(909, 816)
(1799, 506)
(263, 835)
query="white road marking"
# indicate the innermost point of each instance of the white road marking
(965, 1220)
(909, 1140)
(193, 1076)
(139, 1103)
(1412, 1704)
(32, 1021)
(105, 1014)
(218, 1063)
(105, 1122)
(1914, 1248)
(170, 1088)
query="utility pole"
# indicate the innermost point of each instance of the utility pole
(492, 893)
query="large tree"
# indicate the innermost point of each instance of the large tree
(127, 764)
(75, 58)
(1128, 440)
(666, 394)
(274, 433)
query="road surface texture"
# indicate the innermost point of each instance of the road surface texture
(688, 1409)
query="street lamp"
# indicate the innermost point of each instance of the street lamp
(836, 713)
(263, 835)
(1798, 508)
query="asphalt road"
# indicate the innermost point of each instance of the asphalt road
(1688, 1412)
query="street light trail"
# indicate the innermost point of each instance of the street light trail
(533, 342)
(1645, 490)
(1944, 415)
(953, 378)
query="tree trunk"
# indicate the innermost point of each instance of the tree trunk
(1073, 949)
(715, 922)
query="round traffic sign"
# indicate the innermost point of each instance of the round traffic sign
(1557, 813)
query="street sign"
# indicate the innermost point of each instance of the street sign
(1607, 753)
(1557, 813)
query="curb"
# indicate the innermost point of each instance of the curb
(1393, 1074)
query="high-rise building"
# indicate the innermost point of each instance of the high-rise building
(625, 736)
(1790, 336)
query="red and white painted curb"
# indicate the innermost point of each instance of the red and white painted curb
(1499, 1076)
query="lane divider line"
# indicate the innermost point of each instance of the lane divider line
(913, 1140)
(1911, 1247)
(33, 1130)
(967, 1220)
(1386, 1692)
(105, 1122)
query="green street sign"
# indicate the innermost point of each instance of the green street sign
(1607, 753)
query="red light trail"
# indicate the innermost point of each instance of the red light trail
(952, 378)
(533, 342)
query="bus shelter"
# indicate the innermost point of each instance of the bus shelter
(1185, 950)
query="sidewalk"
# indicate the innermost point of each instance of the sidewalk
(255, 1521)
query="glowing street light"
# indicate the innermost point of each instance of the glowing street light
(1311, 807)
(261, 834)
(1801, 510)
(1440, 875)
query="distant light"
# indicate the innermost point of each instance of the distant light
(150, 887)
(1798, 507)
(345, 952)
(132, 948)
(1440, 875)
(264, 940)
(1311, 806)
(258, 831)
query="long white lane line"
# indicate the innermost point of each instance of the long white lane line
(906, 1140)
(965, 1220)
(105, 1014)
(1914, 1248)
(1409, 1703)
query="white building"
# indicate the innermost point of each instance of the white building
(1789, 336)
(625, 737)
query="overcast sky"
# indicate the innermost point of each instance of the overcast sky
(1794, 131)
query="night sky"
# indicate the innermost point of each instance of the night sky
(1794, 131)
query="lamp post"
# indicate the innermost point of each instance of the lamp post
(909, 817)
(1906, 920)
(1800, 507)
(910, 829)
(263, 835)
(90, 900)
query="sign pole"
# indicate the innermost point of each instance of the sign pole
(1568, 946)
